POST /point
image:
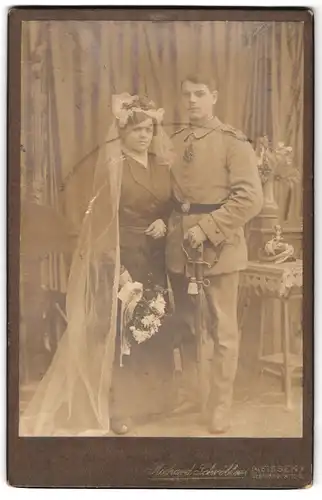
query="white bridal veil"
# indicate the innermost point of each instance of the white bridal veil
(73, 396)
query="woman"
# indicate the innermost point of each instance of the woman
(124, 224)
(142, 386)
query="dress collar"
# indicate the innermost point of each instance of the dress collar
(141, 160)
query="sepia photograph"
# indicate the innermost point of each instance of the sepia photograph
(161, 229)
(160, 248)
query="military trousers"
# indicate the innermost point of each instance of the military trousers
(222, 348)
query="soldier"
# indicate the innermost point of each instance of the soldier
(217, 190)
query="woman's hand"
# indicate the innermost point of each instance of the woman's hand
(157, 229)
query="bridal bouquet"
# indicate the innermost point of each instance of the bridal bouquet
(143, 309)
(148, 314)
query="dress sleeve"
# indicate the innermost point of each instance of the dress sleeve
(168, 203)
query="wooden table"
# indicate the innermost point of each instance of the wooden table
(282, 282)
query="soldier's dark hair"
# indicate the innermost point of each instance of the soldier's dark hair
(201, 79)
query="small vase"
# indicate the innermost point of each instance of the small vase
(269, 214)
(262, 227)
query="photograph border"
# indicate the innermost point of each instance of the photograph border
(137, 462)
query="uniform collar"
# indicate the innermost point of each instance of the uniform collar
(202, 131)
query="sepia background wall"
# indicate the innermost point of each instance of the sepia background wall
(71, 69)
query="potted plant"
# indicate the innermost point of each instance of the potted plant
(274, 164)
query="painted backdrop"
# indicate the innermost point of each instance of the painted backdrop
(70, 70)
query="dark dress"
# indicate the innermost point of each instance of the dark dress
(143, 386)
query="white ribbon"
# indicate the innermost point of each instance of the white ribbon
(122, 109)
(130, 294)
(130, 291)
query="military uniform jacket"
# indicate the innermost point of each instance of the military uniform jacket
(214, 164)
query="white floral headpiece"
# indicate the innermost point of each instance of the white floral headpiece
(122, 110)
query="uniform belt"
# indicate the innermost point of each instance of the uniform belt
(187, 208)
(134, 229)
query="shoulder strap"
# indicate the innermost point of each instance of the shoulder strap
(229, 130)
(178, 131)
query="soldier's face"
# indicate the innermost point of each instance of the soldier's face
(138, 137)
(198, 100)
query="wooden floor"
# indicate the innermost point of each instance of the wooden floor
(258, 411)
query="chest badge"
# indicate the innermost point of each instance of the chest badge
(188, 154)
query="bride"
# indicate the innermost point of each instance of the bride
(95, 381)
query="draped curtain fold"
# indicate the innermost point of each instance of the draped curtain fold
(70, 69)
(287, 105)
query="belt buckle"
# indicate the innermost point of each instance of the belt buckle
(185, 207)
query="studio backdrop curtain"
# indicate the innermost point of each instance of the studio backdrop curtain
(275, 104)
(70, 70)
(287, 107)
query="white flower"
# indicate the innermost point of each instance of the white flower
(118, 107)
(148, 320)
(122, 113)
(141, 336)
(118, 102)
(145, 322)
(156, 323)
(158, 304)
